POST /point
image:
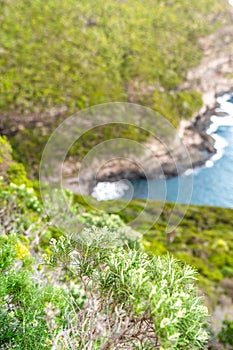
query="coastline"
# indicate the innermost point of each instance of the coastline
(114, 176)
(212, 79)
(221, 117)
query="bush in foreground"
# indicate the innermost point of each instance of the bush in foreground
(131, 300)
(103, 294)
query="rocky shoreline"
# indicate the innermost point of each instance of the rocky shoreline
(160, 163)
(213, 77)
(192, 133)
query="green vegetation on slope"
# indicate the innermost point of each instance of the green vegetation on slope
(82, 53)
(203, 239)
(88, 292)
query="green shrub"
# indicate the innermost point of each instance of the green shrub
(9, 169)
(226, 334)
(101, 219)
(124, 284)
(105, 282)
(22, 197)
(227, 271)
(127, 284)
(5, 155)
(23, 301)
(177, 106)
(16, 174)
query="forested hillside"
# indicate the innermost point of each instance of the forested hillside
(83, 53)
(58, 57)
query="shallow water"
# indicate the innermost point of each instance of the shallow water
(211, 184)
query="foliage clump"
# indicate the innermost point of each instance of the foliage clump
(23, 301)
(10, 170)
(203, 239)
(132, 300)
(226, 333)
(5, 155)
(106, 293)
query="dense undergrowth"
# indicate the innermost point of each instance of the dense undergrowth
(91, 290)
(59, 292)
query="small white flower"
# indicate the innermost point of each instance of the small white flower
(203, 309)
(178, 303)
(165, 322)
(174, 337)
(141, 270)
(34, 323)
(202, 336)
(153, 291)
(164, 283)
(183, 295)
(181, 313)
(12, 185)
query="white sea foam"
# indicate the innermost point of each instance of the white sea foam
(115, 190)
(209, 163)
(216, 123)
(110, 190)
(188, 172)
(225, 104)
